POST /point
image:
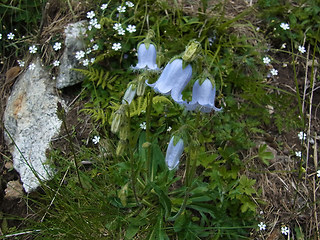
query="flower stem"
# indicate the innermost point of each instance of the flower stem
(148, 137)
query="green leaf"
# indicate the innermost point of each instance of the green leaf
(163, 199)
(264, 155)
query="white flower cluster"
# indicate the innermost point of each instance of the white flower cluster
(118, 27)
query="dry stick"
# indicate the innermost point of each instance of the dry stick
(305, 80)
(314, 73)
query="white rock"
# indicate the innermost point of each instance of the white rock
(30, 118)
(73, 43)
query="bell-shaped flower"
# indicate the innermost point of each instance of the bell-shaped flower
(147, 55)
(203, 97)
(173, 79)
(129, 94)
(174, 153)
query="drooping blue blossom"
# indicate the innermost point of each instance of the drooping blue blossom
(147, 55)
(174, 153)
(203, 97)
(173, 80)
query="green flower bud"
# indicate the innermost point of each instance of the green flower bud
(118, 118)
(123, 133)
(121, 147)
(141, 86)
(191, 52)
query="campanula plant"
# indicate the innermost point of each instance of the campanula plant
(147, 55)
(203, 97)
(173, 153)
(177, 73)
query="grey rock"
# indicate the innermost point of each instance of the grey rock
(31, 120)
(73, 43)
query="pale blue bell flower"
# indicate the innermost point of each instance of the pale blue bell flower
(174, 153)
(203, 97)
(173, 80)
(129, 94)
(146, 57)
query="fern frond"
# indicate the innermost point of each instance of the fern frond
(138, 105)
(99, 76)
(161, 99)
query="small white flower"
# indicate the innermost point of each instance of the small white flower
(129, 4)
(90, 14)
(33, 49)
(285, 230)
(121, 31)
(169, 129)
(80, 54)
(97, 26)
(85, 62)
(302, 136)
(298, 154)
(262, 226)
(318, 173)
(89, 27)
(301, 49)
(92, 60)
(121, 9)
(257, 29)
(274, 72)
(285, 26)
(104, 6)
(96, 139)
(10, 36)
(21, 63)
(284, 45)
(88, 51)
(0, 36)
(266, 60)
(95, 47)
(284, 65)
(117, 26)
(143, 126)
(116, 46)
(56, 63)
(57, 46)
(93, 22)
(32, 66)
(91, 40)
(131, 28)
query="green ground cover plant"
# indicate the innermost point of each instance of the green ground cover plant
(176, 160)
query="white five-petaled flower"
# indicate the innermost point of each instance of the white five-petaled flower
(0, 36)
(302, 136)
(56, 63)
(96, 139)
(143, 126)
(85, 62)
(104, 6)
(131, 28)
(57, 46)
(10, 36)
(285, 230)
(116, 46)
(95, 47)
(129, 4)
(21, 63)
(121, 31)
(90, 14)
(266, 60)
(32, 66)
(284, 45)
(318, 173)
(80, 54)
(92, 60)
(301, 49)
(117, 26)
(298, 154)
(93, 22)
(33, 49)
(262, 226)
(169, 129)
(285, 26)
(121, 9)
(274, 72)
